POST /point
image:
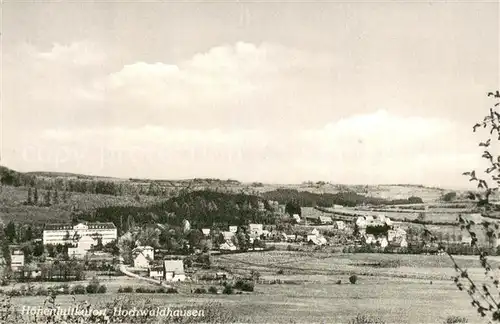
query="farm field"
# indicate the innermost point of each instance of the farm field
(395, 288)
(396, 301)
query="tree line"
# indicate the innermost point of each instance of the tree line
(202, 208)
(344, 198)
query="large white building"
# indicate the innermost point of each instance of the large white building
(68, 234)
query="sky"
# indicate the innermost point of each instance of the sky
(366, 92)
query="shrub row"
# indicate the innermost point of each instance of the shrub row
(57, 290)
(211, 290)
(144, 290)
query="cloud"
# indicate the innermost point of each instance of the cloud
(253, 112)
(229, 77)
(82, 53)
(378, 147)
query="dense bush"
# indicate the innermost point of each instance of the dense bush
(449, 196)
(228, 289)
(78, 290)
(212, 290)
(172, 291)
(455, 320)
(93, 286)
(353, 279)
(102, 289)
(200, 291)
(144, 290)
(339, 282)
(244, 285)
(364, 319)
(44, 292)
(126, 289)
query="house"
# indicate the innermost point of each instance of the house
(228, 246)
(174, 270)
(467, 239)
(233, 229)
(381, 218)
(317, 240)
(83, 245)
(256, 229)
(382, 241)
(32, 271)
(228, 236)
(288, 238)
(311, 219)
(143, 256)
(403, 242)
(66, 233)
(391, 235)
(388, 221)
(206, 231)
(325, 220)
(266, 234)
(312, 234)
(399, 242)
(186, 225)
(400, 232)
(296, 217)
(361, 222)
(17, 260)
(340, 225)
(156, 272)
(370, 239)
(221, 275)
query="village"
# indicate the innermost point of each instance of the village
(94, 247)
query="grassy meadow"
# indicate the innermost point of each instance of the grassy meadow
(395, 288)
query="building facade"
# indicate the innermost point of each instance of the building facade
(67, 234)
(17, 260)
(174, 270)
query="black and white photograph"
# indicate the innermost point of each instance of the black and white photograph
(249, 161)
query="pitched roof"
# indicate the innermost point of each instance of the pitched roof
(142, 248)
(60, 226)
(176, 266)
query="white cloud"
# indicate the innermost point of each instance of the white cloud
(79, 53)
(379, 147)
(253, 112)
(223, 77)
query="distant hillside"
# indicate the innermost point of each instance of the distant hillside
(344, 198)
(167, 188)
(202, 208)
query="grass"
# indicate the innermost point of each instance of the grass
(393, 301)
(398, 292)
(13, 209)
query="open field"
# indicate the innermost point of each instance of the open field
(396, 288)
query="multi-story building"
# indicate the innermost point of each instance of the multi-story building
(68, 234)
(17, 260)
